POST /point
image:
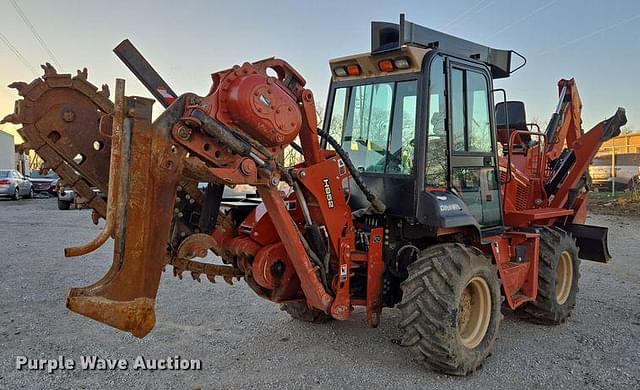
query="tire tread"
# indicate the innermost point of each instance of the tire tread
(429, 308)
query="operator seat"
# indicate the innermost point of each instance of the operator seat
(510, 117)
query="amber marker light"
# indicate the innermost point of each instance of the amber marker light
(353, 70)
(386, 65)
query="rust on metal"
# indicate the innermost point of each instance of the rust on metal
(60, 116)
(136, 316)
(198, 268)
(375, 268)
(115, 172)
(149, 164)
(142, 223)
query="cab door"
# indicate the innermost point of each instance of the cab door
(473, 161)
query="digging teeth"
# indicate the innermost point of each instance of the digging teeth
(49, 70)
(83, 74)
(11, 118)
(27, 109)
(105, 90)
(19, 85)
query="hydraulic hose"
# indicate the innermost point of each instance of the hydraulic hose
(376, 203)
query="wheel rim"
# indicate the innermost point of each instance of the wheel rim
(564, 277)
(474, 312)
(17, 193)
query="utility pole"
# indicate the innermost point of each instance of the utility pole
(613, 169)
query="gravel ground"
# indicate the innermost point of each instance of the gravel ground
(246, 342)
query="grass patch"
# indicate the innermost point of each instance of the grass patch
(622, 203)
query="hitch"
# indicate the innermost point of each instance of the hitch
(144, 175)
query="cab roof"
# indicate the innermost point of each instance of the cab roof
(395, 40)
(368, 62)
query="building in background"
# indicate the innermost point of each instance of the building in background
(7, 151)
(23, 162)
(12, 156)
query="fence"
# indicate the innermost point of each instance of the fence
(625, 143)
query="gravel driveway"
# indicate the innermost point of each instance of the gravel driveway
(246, 342)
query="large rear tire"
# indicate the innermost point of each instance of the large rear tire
(301, 311)
(450, 308)
(558, 275)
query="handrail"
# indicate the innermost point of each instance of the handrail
(510, 145)
(541, 159)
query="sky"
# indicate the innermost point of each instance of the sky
(597, 42)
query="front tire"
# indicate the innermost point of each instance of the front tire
(558, 275)
(450, 308)
(63, 205)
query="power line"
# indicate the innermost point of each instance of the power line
(463, 15)
(591, 34)
(522, 19)
(35, 32)
(17, 53)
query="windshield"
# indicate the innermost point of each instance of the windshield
(4, 173)
(376, 123)
(48, 175)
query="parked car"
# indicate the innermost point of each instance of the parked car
(14, 185)
(67, 197)
(44, 181)
(627, 171)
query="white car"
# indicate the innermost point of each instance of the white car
(14, 185)
(627, 171)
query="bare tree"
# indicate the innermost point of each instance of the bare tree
(291, 156)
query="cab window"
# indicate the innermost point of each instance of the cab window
(471, 130)
(338, 113)
(377, 122)
(437, 168)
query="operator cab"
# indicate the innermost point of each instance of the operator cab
(416, 116)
